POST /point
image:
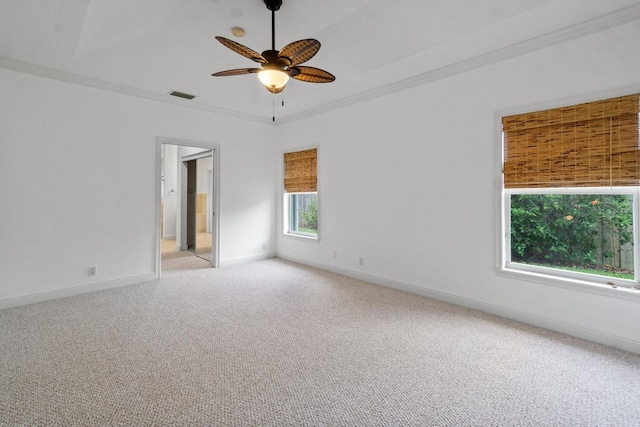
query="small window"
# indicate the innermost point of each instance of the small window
(302, 214)
(300, 208)
(571, 188)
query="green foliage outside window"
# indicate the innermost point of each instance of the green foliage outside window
(310, 216)
(570, 230)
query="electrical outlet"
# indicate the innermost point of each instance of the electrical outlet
(93, 270)
(264, 246)
(334, 254)
(361, 261)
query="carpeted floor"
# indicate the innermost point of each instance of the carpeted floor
(273, 343)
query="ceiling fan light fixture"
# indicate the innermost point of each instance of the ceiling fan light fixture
(278, 66)
(273, 79)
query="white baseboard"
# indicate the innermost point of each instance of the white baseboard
(599, 336)
(172, 237)
(247, 258)
(75, 290)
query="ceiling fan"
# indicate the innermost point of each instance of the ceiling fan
(278, 67)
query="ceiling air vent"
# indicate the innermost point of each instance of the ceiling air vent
(181, 95)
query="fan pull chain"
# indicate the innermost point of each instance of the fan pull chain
(273, 107)
(283, 99)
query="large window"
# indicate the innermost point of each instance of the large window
(571, 192)
(300, 207)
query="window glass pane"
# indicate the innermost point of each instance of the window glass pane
(303, 213)
(578, 232)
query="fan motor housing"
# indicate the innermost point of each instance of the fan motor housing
(273, 59)
(273, 4)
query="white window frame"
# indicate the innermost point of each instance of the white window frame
(286, 217)
(564, 275)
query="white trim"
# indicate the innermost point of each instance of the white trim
(561, 102)
(617, 340)
(286, 220)
(214, 150)
(227, 262)
(621, 292)
(572, 276)
(610, 20)
(551, 272)
(75, 290)
(283, 207)
(501, 218)
(64, 76)
(201, 155)
(158, 207)
(308, 237)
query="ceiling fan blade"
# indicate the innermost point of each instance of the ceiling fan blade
(300, 51)
(311, 75)
(236, 72)
(242, 50)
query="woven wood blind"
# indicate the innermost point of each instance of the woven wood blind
(588, 145)
(301, 171)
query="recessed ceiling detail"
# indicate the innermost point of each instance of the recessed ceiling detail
(144, 47)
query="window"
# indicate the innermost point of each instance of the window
(571, 192)
(303, 214)
(300, 211)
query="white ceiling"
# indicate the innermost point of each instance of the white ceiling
(148, 48)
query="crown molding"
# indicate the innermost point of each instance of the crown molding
(64, 76)
(614, 19)
(617, 18)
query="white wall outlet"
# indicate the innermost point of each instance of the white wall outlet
(93, 270)
(334, 254)
(361, 261)
(264, 246)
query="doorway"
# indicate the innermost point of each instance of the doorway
(197, 210)
(188, 193)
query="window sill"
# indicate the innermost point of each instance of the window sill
(302, 236)
(573, 284)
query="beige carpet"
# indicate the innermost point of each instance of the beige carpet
(183, 261)
(273, 343)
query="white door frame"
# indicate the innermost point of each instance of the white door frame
(209, 197)
(215, 200)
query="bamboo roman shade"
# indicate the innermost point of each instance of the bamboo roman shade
(588, 145)
(301, 171)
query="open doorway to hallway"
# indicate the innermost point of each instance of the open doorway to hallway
(198, 211)
(188, 196)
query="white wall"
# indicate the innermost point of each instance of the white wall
(79, 177)
(78, 173)
(410, 182)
